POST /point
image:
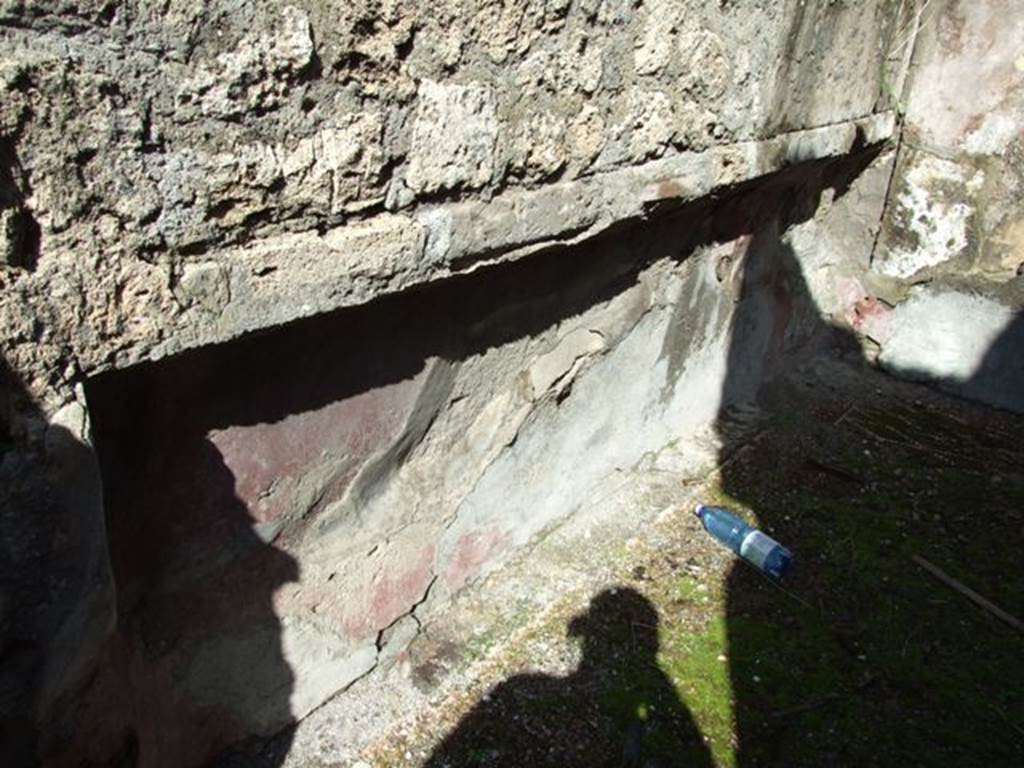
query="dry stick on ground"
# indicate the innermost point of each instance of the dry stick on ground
(849, 409)
(806, 706)
(821, 700)
(909, 442)
(969, 593)
(834, 469)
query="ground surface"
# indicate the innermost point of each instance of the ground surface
(861, 657)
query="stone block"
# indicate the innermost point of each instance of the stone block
(453, 137)
(930, 215)
(968, 344)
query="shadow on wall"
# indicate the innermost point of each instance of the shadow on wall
(195, 451)
(56, 596)
(21, 658)
(1000, 376)
(196, 663)
(19, 231)
(851, 666)
(618, 708)
(774, 317)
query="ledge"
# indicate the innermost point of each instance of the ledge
(285, 278)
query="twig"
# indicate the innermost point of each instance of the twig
(969, 593)
(812, 704)
(821, 700)
(908, 442)
(834, 469)
(1001, 713)
(881, 438)
(849, 409)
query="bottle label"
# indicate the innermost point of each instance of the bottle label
(756, 547)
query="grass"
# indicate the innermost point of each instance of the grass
(859, 658)
(864, 658)
(698, 666)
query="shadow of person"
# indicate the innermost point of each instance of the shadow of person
(857, 660)
(618, 708)
(773, 316)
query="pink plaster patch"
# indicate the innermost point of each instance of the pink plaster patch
(472, 551)
(269, 461)
(865, 314)
(850, 293)
(394, 588)
(872, 318)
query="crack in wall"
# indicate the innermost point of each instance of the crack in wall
(887, 197)
(381, 644)
(899, 128)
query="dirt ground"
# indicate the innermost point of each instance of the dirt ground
(860, 657)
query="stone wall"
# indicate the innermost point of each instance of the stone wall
(943, 299)
(164, 164)
(279, 534)
(354, 300)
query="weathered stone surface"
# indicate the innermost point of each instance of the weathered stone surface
(204, 285)
(653, 46)
(453, 137)
(651, 124)
(193, 131)
(278, 279)
(706, 62)
(958, 182)
(272, 282)
(586, 134)
(512, 224)
(967, 344)
(953, 209)
(559, 364)
(933, 209)
(968, 86)
(252, 76)
(539, 149)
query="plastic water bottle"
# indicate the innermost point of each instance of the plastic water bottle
(746, 541)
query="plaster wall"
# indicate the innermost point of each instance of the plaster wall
(942, 301)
